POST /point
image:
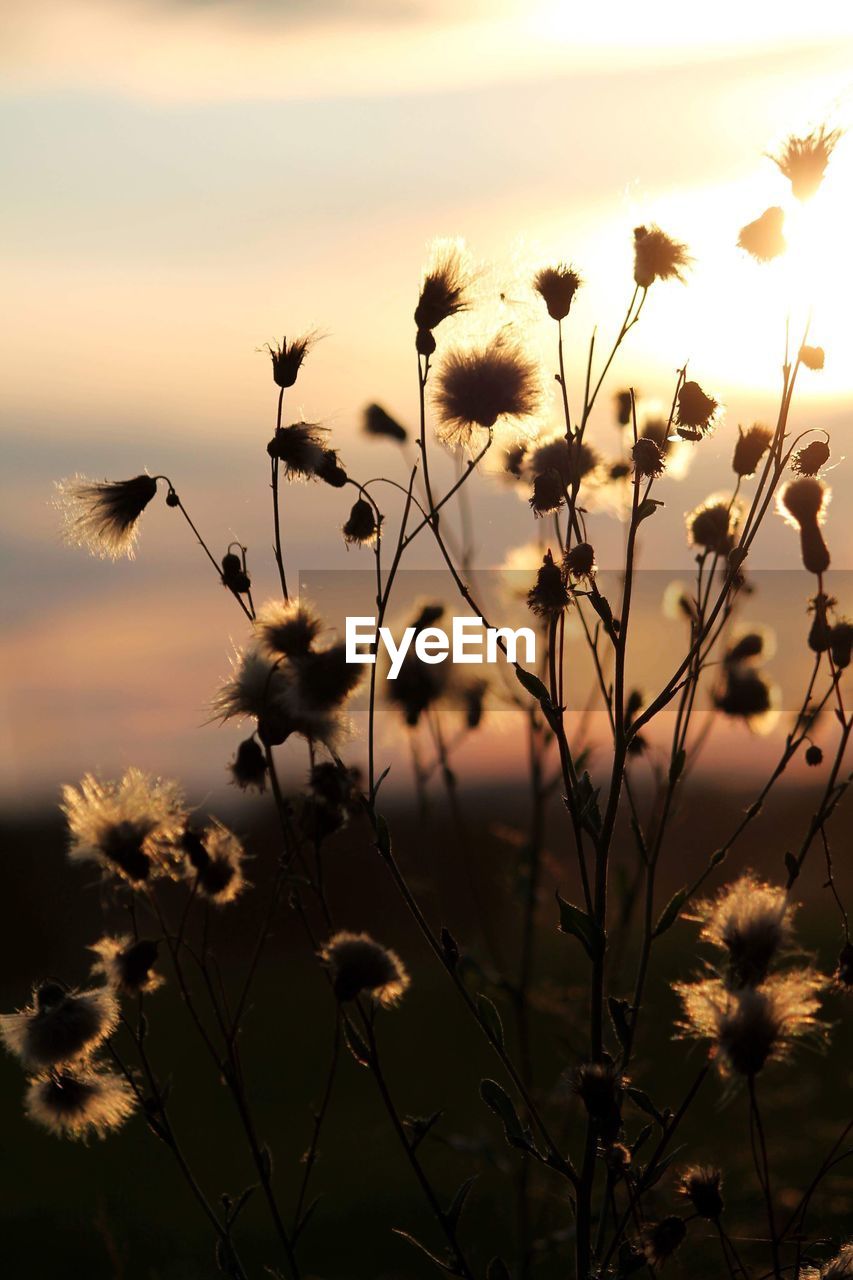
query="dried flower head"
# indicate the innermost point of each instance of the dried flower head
(127, 964)
(128, 827)
(579, 561)
(300, 448)
(286, 628)
(713, 524)
(813, 358)
(661, 1239)
(444, 285)
(362, 526)
(763, 238)
(754, 1025)
(624, 401)
(234, 575)
(803, 160)
(334, 795)
(809, 460)
(478, 386)
(702, 1186)
(59, 1026)
(258, 688)
(657, 257)
(840, 643)
(249, 766)
(820, 632)
(648, 459)
(549, 595)
(377, 422)
(695, 412)
(323, 679)
(80, 1104)
(750, 448)
(330, 471)
(803, 503)
(814, 756)
(745, 694)
(600, 1086)
(751, 921)
(359, 965)
(216, 858)
(557, 287)
(749, 645)
(287, 358)
(103, 516)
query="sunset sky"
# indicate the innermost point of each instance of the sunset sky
(185, 181)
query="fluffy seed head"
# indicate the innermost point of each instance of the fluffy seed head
(661, 1239)
(579, 561)
(286, 628)
(478, 386)
(657, 257)
(745, 694)
(127, 965)
(300, 448)
(751, 447)
(804, 160)
(808, 461)
(763, 238)
(751, 921)
(557, 287)
(712, 525)
(377, 422)
(549, 595)
(695, 411)
(59, 1026)
(287, 358)
(702, 1186)
(360, 965)
(249, 766)
(444, 286)
(362, 526)
(128, 827)
(103, 515)
(804, 500)
(216, 858)
(648, 459)
(79, 1104)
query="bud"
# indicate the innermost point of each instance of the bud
(579, 561)
(249, 767)
(648, 459)
(840, 642)
(814, 756)
(808, 461)
(751, 447)
(548, 493)
(695, 412)
(550, 595)
(234, 576)
(362, 526)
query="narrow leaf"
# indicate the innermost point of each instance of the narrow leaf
(578, 923)
(498, 1100)
(453, 1211)
(490, 1019)
(669, 915)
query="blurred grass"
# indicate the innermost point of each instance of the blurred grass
(119, 1210)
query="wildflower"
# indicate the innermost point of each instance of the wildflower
(258, 688)
(549, 596)
(548, 494)
(841, 642)
(104, 515)
(812, 357)
(754, 1025)
(359, 965)
(808, 461)
(249, 766)
(749, 645)
(286, 628)
(579, 561)
(657, 257)
(234, 575)
(695, 411)
(745, 694)
(478, 386)
(299, 448)
(814, 756)
(820, 632)
(216, 856)
(803, 160)
(379, 423)
(127, 965)
(125, 826)
(362, 526)
(751, 921)
(750, 448)
(661, 1239)
(444, 286)
(701, 1185)
(763, 238)
(600, 1087)
(59, 1026)
(624, 402)
(324, 678)
(557, 287)
(287, 358)
(712, 525)
(77, 1104)
(648, 459)
(803, 502)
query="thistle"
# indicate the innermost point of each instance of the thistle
(80, 1104)
(657, 257)
(804, 160)
(59, 1026)
(127, 827)
(358, 965)
(103, 516)
(557, 287)
(477, 387)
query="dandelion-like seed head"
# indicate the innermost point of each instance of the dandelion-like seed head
(362, 526)
(804, 501)
(103, 516)
(478, 386)
(359, 965)
(59, 1026)
(657, 257)
(751, 921)
(557, 287)
(750, 448)
(764, 238)
(549, 595)
(579, 561)
(378, 422)
(713, 524)
(215, 857)
(702, 1186)
(549, 493)
(128, 827)
(80, 1104)
(648, 459)
(444, 285)
(695, 413)
(286, 628)
(287, 358)
(127, 964)
(300, 448)
(809, 460)
(746, 694)
(803, 161)
(249, 767)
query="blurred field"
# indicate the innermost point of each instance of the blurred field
(118, 1209)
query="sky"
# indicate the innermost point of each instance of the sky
(186, 181)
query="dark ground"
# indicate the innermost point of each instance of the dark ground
(117, 1210)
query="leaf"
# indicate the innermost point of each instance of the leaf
(356, 1044)
(450, 949)
(532, 684)
(306, 1218)
(647, 508)
(602, 607)
(417, 1127)
(498, 1100)
(453, 1211)
(586, 801)
(497, 1270)
(669, 915)
(642, 1100)
(619, 1018)
(642, 1137)
(433, 1257)
(234, 1209)
(579, 924)
(490, 1019)
(383, 775)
